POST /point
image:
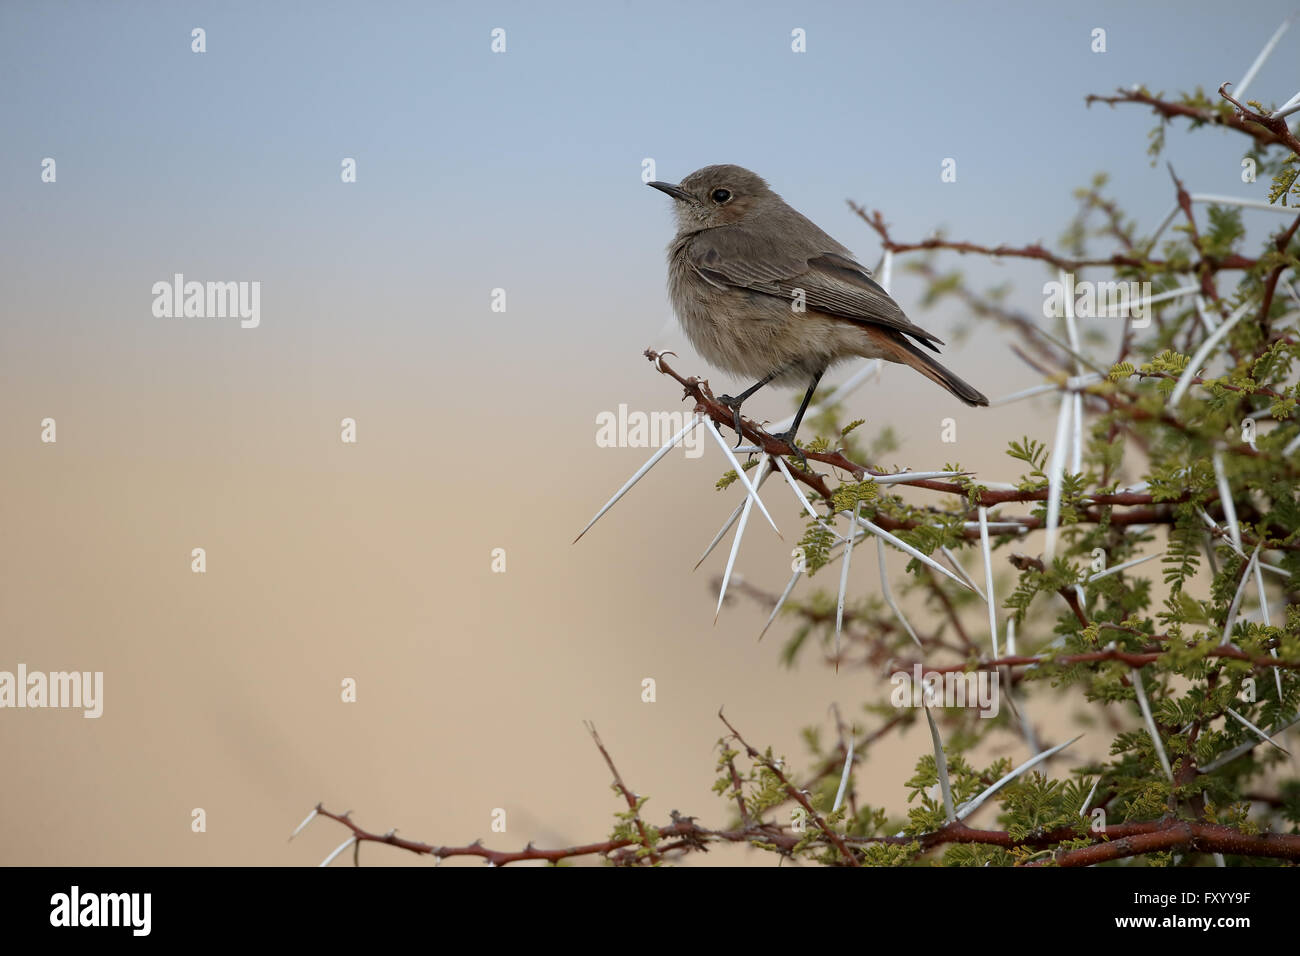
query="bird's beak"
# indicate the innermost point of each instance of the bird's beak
(675, 191)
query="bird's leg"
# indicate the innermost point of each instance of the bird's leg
(735, 403)
(788, 436)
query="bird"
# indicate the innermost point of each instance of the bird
(761, 291)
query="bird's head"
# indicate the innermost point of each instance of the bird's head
(716, 196)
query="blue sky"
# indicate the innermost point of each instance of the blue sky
(522, 170)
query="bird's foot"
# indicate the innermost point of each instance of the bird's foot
(788, 438)
(734, 405)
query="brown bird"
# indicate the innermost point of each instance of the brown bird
(761, 291)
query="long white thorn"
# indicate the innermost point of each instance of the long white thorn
(342, 846)
(735, 546)
(722, 532)
(1263, 611)
(1076, 423)
(712, 427)
(1214, 526)
(1201, 354)
(794, 486)
(1247, 747)
(973, 804)
(1055, 477)
(844, 777)
(999, 526)
(1215, 200)
(780, 602)
(1225, 499)
(1240, 89)
(1150, 722)
(1123, 567)
(844, 580)
(1083, 810)
(1286, 109)
(1202, 313)
(957, 566)
(1125, 307)
(988, 578)
(302, 826)
(907, 548)
(1231, 620)
(1071, 327)
(941, 765)
(1073, 353)
(654, 460)
(1259, 733)
(904, 476)
(1025, 393)
(888, 593)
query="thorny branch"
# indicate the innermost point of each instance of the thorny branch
(1108, 510)
(682, 835)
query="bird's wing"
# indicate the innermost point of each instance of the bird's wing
(831, 281)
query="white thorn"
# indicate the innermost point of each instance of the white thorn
(712, 427)
(794, 485)
(1239, 90)
(302, 826)
(1263, 736)
(1201, 354)
(973, 804)
(888, 593)
(1055, 476)
(988, 578)
(1246, 747)
(1231, 621)
(735, 547)
(941, 765)
(1123, 567)
(1214, 200)
(844, 777)
(342, 846)
(654, 460)
(957, 566)
(1225, 499)
(1083, 810)
(722, 532)
(1150, 722)
(905, 547)
(1076, 451)
(794, 578)
(844, 579)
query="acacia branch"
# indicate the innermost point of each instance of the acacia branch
(1260, 133)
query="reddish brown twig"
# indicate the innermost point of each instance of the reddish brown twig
(796, 794)
(633, 801)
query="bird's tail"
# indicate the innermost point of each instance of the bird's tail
(909, 354)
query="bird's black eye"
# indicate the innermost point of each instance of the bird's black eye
(720, 196)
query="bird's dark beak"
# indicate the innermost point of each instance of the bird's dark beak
(675, 191)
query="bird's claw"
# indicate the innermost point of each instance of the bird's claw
(796, 452)
(734, 405)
